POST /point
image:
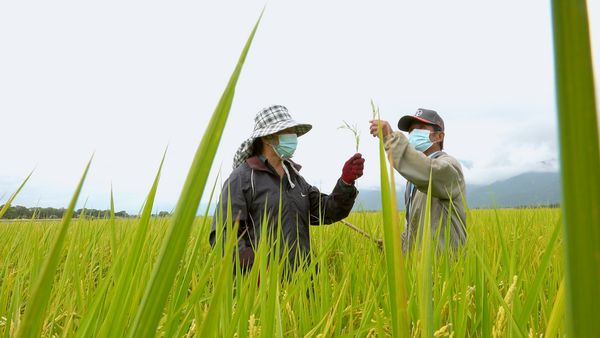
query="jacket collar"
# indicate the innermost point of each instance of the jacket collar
(260, 163)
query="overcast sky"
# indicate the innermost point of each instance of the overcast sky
(125, 79)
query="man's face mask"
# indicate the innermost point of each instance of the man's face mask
(419, 138)
(287, 146)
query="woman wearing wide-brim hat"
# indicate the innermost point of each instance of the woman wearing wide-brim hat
(262, 170)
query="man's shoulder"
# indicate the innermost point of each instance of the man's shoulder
(449, 158)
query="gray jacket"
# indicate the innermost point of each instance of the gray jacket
(447, 192)
(255, 183)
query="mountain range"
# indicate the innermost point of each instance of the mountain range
(528, 189)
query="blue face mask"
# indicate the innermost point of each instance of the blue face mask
(419, 138)
(287, 146)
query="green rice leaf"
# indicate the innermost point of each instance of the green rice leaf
(113, 229)
(425, 266)
(116, 319)
(13, 196)
(210, 323)
(533, 291)
(558, 312)
(580, 164)
(33, 318)
(174, 243)
(393, 248)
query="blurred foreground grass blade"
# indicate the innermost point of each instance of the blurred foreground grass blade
(174, 244)
(580, 163)
(34, 314)
(393, 248)
(12, 197)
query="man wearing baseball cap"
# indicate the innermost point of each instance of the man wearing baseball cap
(415, 157)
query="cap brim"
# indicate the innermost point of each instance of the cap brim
(405, 122)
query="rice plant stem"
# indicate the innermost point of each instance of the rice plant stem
(379, 242)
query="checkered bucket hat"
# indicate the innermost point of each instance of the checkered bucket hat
(268, 121)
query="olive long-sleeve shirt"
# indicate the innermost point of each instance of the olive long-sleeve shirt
(447, 191)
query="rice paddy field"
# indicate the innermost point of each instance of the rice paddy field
(507, 282)
(523, 272)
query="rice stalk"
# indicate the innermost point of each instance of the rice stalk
(498, 329)
(425, 267)
(355, 132)
(116, 317)
(558, 312)
(580, 163)
(34, 316)
(174, 243)
(395, 269)
(13, 196)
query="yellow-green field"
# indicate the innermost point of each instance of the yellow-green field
(159, 277)
(505, 283)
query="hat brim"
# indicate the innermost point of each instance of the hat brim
(246, 147)
(405, 122)
(299, 128)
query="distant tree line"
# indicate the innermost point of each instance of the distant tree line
(21, 212)
(536, 206)
(541, 206)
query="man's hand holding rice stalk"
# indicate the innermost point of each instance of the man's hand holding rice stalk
(420, 157)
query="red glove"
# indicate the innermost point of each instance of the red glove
(353, 169)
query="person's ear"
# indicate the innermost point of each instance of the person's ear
(264, 141)
(270, 139)
(440, 136)
(437, 136)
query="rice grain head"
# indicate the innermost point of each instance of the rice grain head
(444, 331)
(498, 328)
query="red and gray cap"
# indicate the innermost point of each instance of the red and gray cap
(422, 115)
